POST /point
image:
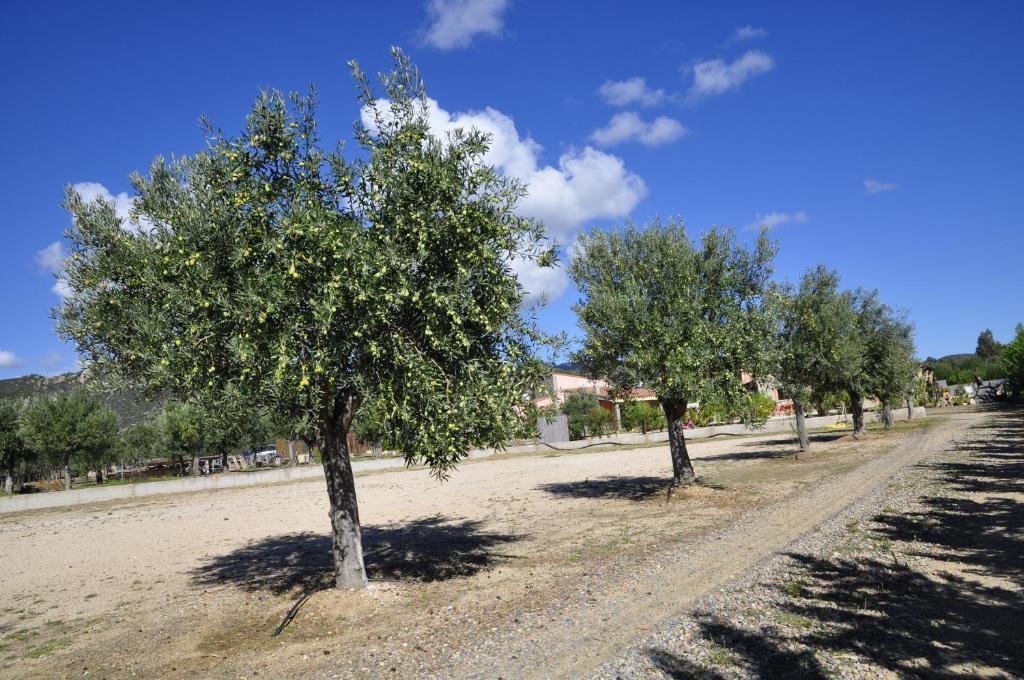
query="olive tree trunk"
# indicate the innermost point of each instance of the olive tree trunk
(801, 424)
(347, 543)
(857, 410)
(910, 410)
(8, 483)
(292, 459)
(195, 466)
(682, 469)
(67, 475)
(886, 415)
(99, 476)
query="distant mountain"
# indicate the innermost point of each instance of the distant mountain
(954, 358)
(570, 366)
(129, 406)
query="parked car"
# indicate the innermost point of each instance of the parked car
(266, 458)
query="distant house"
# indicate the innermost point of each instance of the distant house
(560, 383)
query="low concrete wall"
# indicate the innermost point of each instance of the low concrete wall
(231, 480)
(97, 494)
(632, 438)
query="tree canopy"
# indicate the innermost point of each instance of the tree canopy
(319, 286)
(987, 347)
(683, 319)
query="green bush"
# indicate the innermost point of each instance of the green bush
(1012, 363)
(642, 415)
(577, 408)
(599, 422)
(709, 412)
(757, 408)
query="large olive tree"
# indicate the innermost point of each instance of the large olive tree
(320, 285)
(683, 319)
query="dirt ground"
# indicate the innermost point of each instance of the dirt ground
(532, 565)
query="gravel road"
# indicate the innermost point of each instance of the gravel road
(575, 643)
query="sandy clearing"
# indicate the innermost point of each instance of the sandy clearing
(101, 548)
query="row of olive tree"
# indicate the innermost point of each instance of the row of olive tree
(833, 340)
(687, 320)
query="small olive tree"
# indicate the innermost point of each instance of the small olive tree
(71, 428)
(680, 318)
(891, 366)
(855, 311)
(138, 443)
(812, 321)
(577, 407)
(183, 434)
(319, 286)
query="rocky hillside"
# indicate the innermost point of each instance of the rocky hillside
(130, 407)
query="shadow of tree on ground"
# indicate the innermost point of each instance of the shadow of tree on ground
(962, 617)
(430, 549)
(763, 452)
(613, 487)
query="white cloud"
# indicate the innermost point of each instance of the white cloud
(9, 360)
(585, 184)
(454, 23)
(627, 126)
(90, 191)
(776, 219)
(540, 282)
(715, 76)
(61, 288)
(630, 91)
(749, 33)
(873, 186)
(51, 258)
(51, 261)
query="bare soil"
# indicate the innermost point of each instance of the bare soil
(532, 565)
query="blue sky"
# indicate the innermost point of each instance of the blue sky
(882, 139)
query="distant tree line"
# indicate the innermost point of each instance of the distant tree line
(961, 369)
(69, 434)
